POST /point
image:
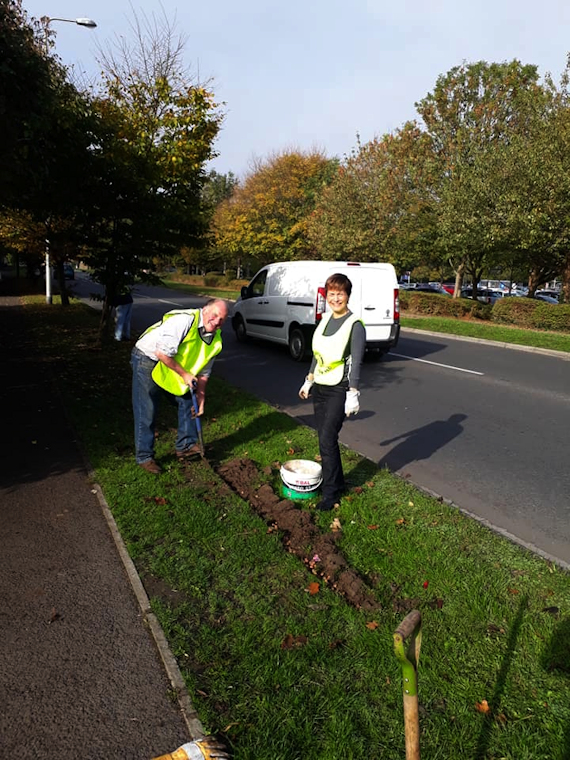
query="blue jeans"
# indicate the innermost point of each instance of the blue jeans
(146, 397)
(123, 321)
(328, 403)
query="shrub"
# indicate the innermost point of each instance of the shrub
(548, 316)
(214, 280)
(441, 306)
(514, 311)
(532, 314)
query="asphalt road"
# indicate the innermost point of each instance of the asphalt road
(484, 426)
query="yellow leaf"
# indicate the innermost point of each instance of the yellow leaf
(482, 706)
(372, 626)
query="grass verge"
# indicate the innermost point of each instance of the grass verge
(282, 670)
(489, 331)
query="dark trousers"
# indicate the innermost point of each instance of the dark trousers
(328, 403)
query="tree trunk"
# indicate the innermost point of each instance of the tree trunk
(534, 282)
(458, 280)
(106, 322)
(566, 279)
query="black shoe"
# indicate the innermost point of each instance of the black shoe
(324, 505)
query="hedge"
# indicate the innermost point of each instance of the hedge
(521, 312)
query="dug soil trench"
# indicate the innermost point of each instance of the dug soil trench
(303, 538)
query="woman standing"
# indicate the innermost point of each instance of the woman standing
(338, 347)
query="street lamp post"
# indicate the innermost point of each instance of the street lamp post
(46, 21)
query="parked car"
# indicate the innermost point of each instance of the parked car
(550, 293)
(546, 298)
(484, 295)
(68, 272)
(424, 287)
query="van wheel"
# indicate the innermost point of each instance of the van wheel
(239, 327)
(297, 344)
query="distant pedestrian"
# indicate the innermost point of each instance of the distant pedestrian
(334, 375)
(123, 305)
(174, 355)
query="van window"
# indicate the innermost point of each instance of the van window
(290, 281)
(257, 285)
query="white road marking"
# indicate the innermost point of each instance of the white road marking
(161, 300)
(437, 364)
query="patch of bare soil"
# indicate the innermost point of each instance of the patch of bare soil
(300, 534)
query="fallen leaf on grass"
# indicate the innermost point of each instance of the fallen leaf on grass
(358, 489)
(494, 629)
(482, 706)
(410, 504)
(551, 610)
(513, 591)
(291, 450)
(370, 484)
(401, 521)
(335, 525)
(291, 641)
(372, 527)
(372, 626)
(314, 588)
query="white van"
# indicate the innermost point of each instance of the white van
(284, 302)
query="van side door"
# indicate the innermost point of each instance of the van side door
(259, 308)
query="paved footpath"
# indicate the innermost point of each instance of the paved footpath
(83, 671)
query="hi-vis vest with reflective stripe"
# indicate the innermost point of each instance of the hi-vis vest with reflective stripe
(329, 350)
(193, 354)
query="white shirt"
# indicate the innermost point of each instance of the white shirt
(167, 337)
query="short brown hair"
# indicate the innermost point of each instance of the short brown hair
(340, 282)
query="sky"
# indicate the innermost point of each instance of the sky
(319, 74)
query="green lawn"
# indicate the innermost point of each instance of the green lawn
(281, 670)
(489, 331)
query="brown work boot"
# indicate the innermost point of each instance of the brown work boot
(151, 466)
(193, 451)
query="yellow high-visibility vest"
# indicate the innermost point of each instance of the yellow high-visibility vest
(329, 350)
(193, 354)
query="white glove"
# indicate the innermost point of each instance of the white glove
(306, 388)
(351, 405)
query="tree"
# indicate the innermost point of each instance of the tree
(474, 111)
(370, 211)
(266, 218)
(156, 133)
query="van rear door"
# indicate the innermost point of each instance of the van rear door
(376, 302)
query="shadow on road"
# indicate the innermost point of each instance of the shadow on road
(422, 442)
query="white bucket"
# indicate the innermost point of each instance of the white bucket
(302, 474)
